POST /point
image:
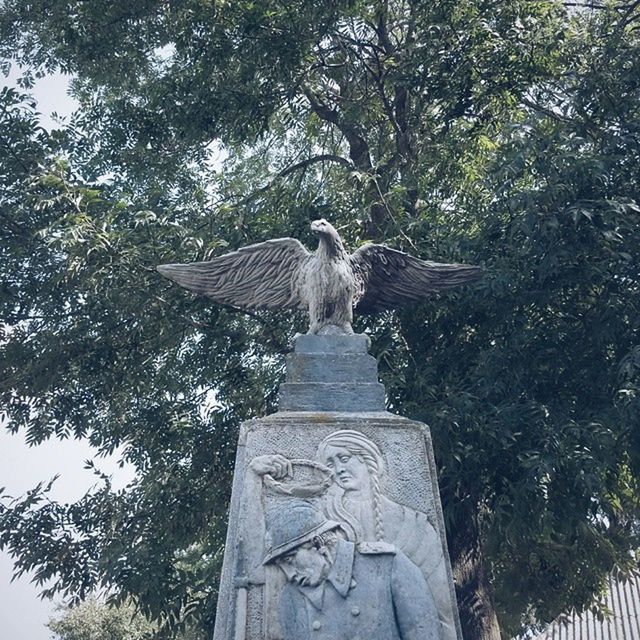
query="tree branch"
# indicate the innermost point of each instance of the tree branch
(358, 147)
(628, 16)
(382, 32)
(547, 112)
(303, 164)
(584, 5)
(325, 157)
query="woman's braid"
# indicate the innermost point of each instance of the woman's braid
(377, 509)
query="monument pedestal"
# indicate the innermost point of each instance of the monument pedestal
(335, 524)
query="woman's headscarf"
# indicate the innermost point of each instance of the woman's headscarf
(357, 444)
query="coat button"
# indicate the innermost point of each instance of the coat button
(355, 611)
(316, 624)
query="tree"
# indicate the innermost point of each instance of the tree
(96, 620)
(498, 133)
(93, 620)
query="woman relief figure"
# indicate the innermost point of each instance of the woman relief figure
(356, 500)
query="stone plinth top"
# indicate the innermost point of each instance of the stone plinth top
(333, 344)
(332, 373)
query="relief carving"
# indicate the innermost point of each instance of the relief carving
(344, 485)
(337, 590)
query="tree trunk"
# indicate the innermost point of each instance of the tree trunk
(477, 614)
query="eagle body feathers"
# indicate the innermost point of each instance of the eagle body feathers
(330, 283)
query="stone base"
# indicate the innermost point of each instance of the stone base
(331, 373)
(400, 518)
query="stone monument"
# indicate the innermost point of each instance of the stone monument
(335, 525)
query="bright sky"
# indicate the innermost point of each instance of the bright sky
(51, 94)
(22, 614)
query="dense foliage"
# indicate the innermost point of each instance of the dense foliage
(93, 620)
(502, 134)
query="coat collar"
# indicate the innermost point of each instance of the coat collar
(340, 576)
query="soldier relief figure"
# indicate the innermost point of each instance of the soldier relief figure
(356, 502)
(337, 590)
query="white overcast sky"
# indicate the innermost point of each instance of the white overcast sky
(22, 613)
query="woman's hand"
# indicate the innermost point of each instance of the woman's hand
(276, 466)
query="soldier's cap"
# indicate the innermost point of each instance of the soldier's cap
(291, 523)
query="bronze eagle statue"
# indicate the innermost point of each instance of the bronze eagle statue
(330, 283)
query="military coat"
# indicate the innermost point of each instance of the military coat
(373, 592)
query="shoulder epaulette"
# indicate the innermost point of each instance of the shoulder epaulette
(371, 548)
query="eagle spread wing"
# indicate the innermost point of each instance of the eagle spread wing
(391, 279)
(260, 275)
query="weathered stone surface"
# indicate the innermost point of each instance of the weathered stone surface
(366, 554)
(331, 373)
(335, 505)
(320, 396)
(335, 344)
(386, 494)
(322, 367)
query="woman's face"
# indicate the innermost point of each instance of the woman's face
(349, 471)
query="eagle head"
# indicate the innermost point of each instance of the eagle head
(330, 241)
(323, 228)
